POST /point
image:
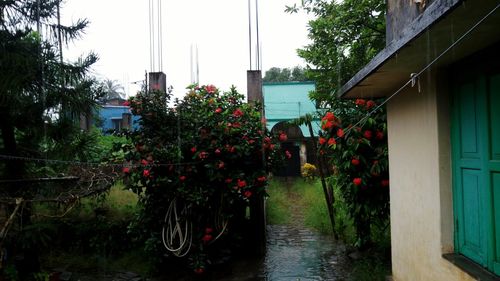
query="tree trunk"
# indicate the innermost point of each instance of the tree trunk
(14, 168)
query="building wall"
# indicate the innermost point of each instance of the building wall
(108, 112)
(287, 101)
(420, 175)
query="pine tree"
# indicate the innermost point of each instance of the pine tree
(41, 94)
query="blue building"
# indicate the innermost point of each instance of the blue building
(117, 117)
(111, 116)
(284, 102)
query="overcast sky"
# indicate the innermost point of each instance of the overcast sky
(119, 34)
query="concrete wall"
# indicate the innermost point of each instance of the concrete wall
(400, 14)
(287, 101)
(420, 175)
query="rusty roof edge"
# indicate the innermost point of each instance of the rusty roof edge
(431, 16)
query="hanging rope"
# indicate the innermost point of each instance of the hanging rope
(177, 232)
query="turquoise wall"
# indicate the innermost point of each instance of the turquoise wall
(288, 101)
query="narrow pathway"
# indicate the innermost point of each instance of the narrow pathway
(295, 252)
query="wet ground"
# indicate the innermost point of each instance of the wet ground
(294, 253)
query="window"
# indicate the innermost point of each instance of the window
(117, 124)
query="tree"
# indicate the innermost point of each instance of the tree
(41, 95)
(276, 74)
(41, 99)
(112, 90)
(345, 36)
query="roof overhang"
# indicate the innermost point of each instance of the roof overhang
(433, 32)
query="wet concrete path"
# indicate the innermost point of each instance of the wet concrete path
(295, 252)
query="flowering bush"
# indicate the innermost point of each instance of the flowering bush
(359, 158)
(205, 159)
(308, 171)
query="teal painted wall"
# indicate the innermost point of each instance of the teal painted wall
(288, 101)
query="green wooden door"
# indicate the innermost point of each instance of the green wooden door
(476, 166)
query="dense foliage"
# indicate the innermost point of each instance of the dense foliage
(359, 157)
(276, 74)
(210, 155)
(41, 94)
(345, 36)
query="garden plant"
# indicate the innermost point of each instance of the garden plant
(196, 167)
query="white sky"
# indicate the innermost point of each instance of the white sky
(119, 34)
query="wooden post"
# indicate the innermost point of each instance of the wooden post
(257, 204)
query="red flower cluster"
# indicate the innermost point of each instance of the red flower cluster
(357, 181)
(238, 113)
(211, 89)
(283, 137)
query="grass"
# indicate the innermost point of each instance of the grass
(132, 261)
(277, 205)
(116, 208)
(308, 195)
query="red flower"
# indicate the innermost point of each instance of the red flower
(327, 125)
(329, 116)
(288, 154)
(218, 110)
(208, 230)
(241, 183)
(146, 173)
(340, 133)
(232, 149)
(144, 162)
(322, 141)
(126, 103)
(247, 194)
(379, 135)
(283, 137)
(228, 180)
(238, 113)
(203, 155)
(261, 179)
(331, 141)
(199, 270)
(206, 238)
(220, 165)
(210, 89)
(370, 104)
(360, 102)
(368, 134)
(217, 151)
(182, 178)
(355, 161)
(384, 183)
(236, 125)
(126, 170)
(193, 149)
(357, 181)
(267, 140)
